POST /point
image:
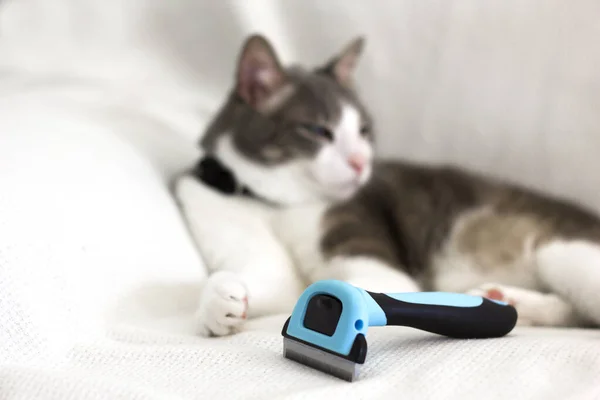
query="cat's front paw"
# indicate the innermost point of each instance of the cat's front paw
(223, 305)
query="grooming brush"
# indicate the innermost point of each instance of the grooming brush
(328, 326)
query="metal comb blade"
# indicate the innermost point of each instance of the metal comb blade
(321, 360)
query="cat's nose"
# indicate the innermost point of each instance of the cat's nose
(357, 162)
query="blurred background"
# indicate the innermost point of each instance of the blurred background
(506, 87)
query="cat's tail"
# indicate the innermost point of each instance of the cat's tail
(571, 269)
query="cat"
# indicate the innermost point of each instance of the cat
(290, 193)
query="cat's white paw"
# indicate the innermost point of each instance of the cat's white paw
(533, 308)
(223, 305)
(506, 294)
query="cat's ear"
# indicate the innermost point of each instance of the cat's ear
(342, 66)
(259, 72)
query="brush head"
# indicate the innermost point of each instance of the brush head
(327, 329)
(321, 360)
(345, 367)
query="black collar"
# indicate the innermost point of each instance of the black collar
(213, 173)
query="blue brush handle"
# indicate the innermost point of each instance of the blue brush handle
(449, 314)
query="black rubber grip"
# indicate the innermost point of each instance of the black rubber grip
(487, 320)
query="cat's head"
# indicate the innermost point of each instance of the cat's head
(294, 135)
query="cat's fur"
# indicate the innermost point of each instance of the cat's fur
(302, 142)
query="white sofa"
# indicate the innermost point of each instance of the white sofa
(102, 102)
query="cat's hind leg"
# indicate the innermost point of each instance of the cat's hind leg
(533, 308)
(569, 273)
(571, 269)
(368, 273)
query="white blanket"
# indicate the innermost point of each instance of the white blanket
(102, 102)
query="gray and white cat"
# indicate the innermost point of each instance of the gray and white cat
(321, 207)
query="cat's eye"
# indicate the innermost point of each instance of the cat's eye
(318, 130)
(365, 130)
